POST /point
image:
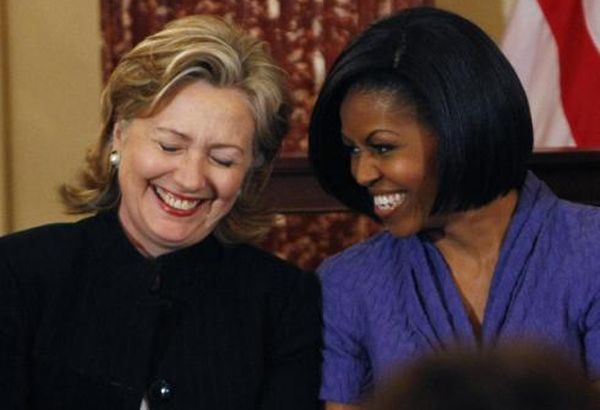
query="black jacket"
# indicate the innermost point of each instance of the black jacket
(87, 323)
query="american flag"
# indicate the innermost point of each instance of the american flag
(555, 47)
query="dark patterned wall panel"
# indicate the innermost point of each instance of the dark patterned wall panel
(306, 239)
(305, 36)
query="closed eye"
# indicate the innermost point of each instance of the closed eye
(226, 156)
(169, 147)
(226, 162)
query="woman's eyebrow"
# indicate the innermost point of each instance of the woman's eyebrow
(175, 132)
(228, 146)
(372, 136)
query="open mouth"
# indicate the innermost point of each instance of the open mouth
(176, 203)
(388, 202)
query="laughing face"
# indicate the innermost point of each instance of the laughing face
(182, 169)
(393, 155)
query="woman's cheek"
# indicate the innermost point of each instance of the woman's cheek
(230, 183)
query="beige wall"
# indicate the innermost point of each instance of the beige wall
(488, 14)
(3, 131)
(50, 83)
(51, 90)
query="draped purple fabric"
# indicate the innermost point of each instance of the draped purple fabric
(389, 300)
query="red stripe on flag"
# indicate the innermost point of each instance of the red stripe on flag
(579, 69)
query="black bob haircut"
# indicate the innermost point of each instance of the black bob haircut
(462, 88)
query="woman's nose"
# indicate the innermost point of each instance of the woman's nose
(191, 173)
(364, 169)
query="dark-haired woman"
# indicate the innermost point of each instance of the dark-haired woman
(423, 125)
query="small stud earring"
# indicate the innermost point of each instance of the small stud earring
(114, 158)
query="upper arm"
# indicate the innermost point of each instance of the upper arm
(293, 368)
(346, 365)
(591, 340)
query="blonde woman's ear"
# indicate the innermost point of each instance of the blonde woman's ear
(117, 134)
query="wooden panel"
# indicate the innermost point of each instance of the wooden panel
(573, 174)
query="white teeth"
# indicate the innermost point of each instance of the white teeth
(181, 204)
(389, 201)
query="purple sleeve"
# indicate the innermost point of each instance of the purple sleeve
(591, 341)
(346, 370)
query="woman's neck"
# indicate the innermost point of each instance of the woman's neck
(470, 242)
(477, 233)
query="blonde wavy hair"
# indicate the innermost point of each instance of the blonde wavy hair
(191, 49)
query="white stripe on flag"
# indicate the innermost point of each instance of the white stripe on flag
(529, 45)
(591, 10)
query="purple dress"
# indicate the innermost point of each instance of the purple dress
(388, 300)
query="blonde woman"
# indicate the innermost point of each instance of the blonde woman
(158, 300)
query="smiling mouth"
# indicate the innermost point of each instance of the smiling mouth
(176, 202)
(388, 202)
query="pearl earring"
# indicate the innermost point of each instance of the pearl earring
(114, 158)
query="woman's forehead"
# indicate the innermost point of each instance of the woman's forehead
(382, 100)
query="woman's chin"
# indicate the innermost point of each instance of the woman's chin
(175, 241)
(165, 236)
(401, 227)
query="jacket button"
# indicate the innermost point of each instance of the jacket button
(161, 390)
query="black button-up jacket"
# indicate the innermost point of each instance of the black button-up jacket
(86, 322)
